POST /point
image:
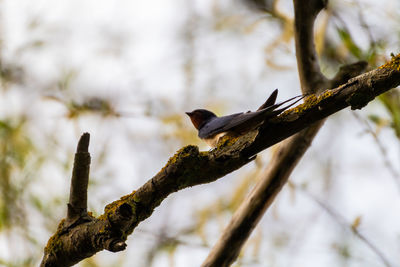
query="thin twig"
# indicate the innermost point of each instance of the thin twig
(342, 221)
(382, 149)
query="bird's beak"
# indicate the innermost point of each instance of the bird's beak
(189, 113)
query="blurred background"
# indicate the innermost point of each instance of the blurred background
(126, 71)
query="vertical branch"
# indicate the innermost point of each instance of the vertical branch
(63, 248)
(305, 13)
(77, 206)
(253, 208)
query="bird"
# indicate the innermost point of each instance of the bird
(211, 127)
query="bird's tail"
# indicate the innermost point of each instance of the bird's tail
(249, 120)
(270, 101)
(272, 110)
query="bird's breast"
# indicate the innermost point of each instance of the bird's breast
(213, 141)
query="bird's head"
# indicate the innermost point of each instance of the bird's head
(200, 116)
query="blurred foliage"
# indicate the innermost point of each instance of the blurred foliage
(10, 73)
(391, 101)
(14, 153)
(268, 6)
(176, 129)
(349, 43)
(167, 244)
(224, 205)
(101, 106)
(97, 105)
(343, 250)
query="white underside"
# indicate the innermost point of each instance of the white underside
(212, 142)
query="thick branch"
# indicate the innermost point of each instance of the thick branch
(189, 167)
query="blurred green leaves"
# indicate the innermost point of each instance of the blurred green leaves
(391, 101)
(97, 105)
(349, 43)
(15, 148)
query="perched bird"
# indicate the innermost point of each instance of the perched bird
(211, 127)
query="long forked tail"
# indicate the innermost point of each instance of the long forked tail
(270, 102)
(275, 112)
(249, 120)
(272, 110)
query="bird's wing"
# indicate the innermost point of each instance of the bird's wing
(247, 121)
(242, 122)
(216, 125)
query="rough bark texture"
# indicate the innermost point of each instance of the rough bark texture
(77, 206)
(189, 167)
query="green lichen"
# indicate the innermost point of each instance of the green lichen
(112, 207)
(226, 140)
(394, 63)
(191, 170)
(188, 153)
(326, 94)
(55, 244)
(181, 154)
(203, 154)
(309, 102)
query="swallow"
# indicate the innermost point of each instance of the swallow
(211, 127)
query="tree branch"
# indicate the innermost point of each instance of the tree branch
(189, 167)
(77, 206)
(305, 13)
